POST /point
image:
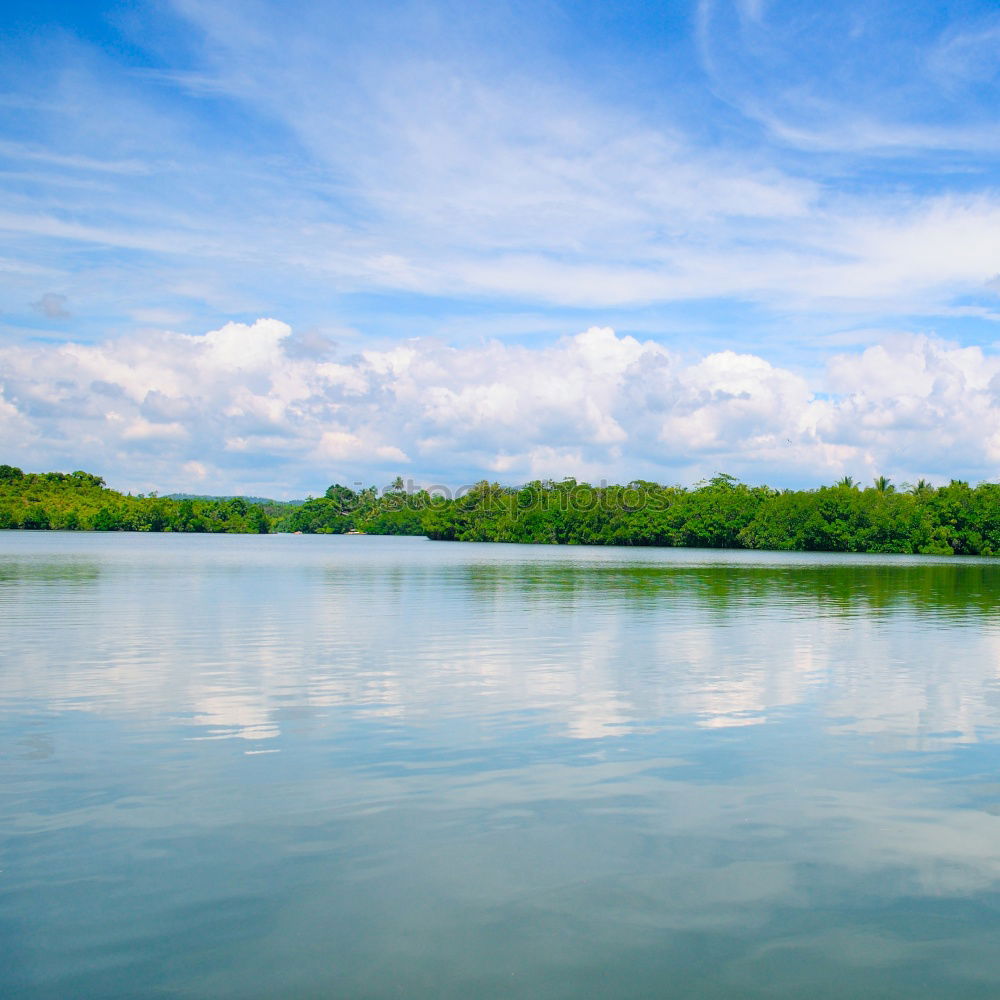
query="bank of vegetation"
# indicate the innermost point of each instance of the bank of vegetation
(81, 501)
(957, 519)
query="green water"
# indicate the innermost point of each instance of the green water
(372, 767)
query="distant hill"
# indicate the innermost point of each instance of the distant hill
(261, 501)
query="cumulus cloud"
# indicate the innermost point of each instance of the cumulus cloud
(236, 408)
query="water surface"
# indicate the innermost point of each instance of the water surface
(286, 766)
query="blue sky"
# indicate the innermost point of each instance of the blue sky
(788, 215)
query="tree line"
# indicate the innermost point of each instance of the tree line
(722, 512)
(82, 501)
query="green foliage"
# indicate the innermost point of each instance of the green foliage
(345, 497)
(720, 513)
(318, 516)
(35, 516)
(725, 513)
(258, 520)
(105, 520)
(79, 501)
(341, 509)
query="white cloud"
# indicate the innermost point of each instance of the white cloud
(143, 430)
(445, 177)
(847, 80)
(343, 446)
(968, 53)
(232, 409)
(195, 470)
(418, 162)
(242, 348)
(917, 396)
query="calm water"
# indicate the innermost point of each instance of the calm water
(370, 767)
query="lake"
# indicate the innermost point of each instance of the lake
(322, 766)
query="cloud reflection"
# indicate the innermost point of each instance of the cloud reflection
(590, 644)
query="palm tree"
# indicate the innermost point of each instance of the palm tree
(884, 485)
(847, 483)
(922, 487)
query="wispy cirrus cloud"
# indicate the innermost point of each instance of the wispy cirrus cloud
(886, 78)
(402, 156)
(754, 180)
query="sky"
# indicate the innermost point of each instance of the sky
(262, 247)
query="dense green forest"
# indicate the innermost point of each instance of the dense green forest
(720, 513)
(80, 501)
(725, 513)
